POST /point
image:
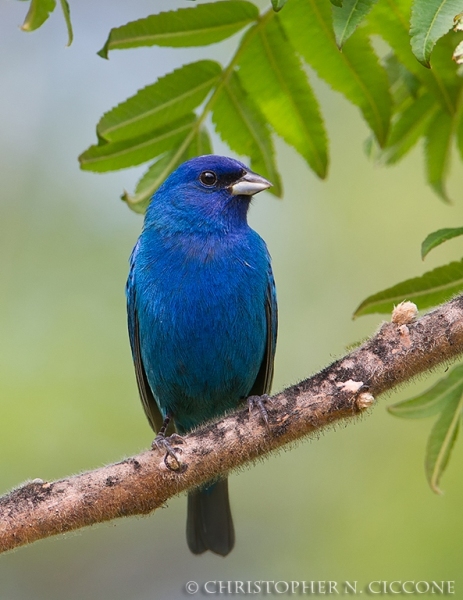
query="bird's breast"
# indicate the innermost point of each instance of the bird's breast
(202, 314)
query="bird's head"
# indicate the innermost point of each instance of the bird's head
(205, 193)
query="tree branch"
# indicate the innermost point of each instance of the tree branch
(138, 485)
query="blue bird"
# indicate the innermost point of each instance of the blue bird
(202, 316)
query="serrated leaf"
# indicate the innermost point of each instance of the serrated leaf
(170, 98)
(127, 153)
(439, 237)
(241, 125)
(348, 17)
(67, 18)
(272, 75)
(433, 400)
(390, 20)
(432, 288)
(38, 13)
(355, 72)
(437, 151)
(441, 441)
(445, 72)
(278, 4)
(409, 127)
(197, 26)
(162, 168)
(430, 20)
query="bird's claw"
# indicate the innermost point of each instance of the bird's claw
(164, 444)
(258, 401)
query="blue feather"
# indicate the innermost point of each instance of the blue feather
(202, 312)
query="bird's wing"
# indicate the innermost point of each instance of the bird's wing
(149, 403)
(264, 378)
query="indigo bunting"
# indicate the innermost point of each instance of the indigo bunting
(202, 316)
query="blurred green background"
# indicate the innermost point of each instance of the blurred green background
(350, 505)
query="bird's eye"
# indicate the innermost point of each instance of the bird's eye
(208, 178)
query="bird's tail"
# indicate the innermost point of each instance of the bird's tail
(209, 523)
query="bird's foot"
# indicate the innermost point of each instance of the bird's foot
(165, 444)
(259, 401)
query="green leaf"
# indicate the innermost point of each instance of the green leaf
(38, 13)
(149, 183)
(390, 20)
(355, 72)
(439, 237)
(445, 397)
(162, 168)
(430, 20)
(127, 153)
(163, 102)
(348, 17)
(67, 17)
(442, 438)
(446, 72)
(409, 127)
(403, 84)
(241, 125)
(272, 74)
(336, 2)
(432, 288)
(278, 4)
(437, 151)
(432, 401)
(199, 26)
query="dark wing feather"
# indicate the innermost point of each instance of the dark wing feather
(264, 378)
(149, 403)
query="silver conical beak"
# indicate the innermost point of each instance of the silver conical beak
(249, 184)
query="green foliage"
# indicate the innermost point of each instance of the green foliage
(348, 16)
(439, 237)
(67, 18)
(265, 90)
(355, 72)
(38, 13)
(430, 20)
(288, 103)
(437, 150)
(446, 399)
(278, 4)
(238, 119)
(170, 98)
(134, 151)
(199, 26)
(40, 10)
(408, 127)
(432, 288)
